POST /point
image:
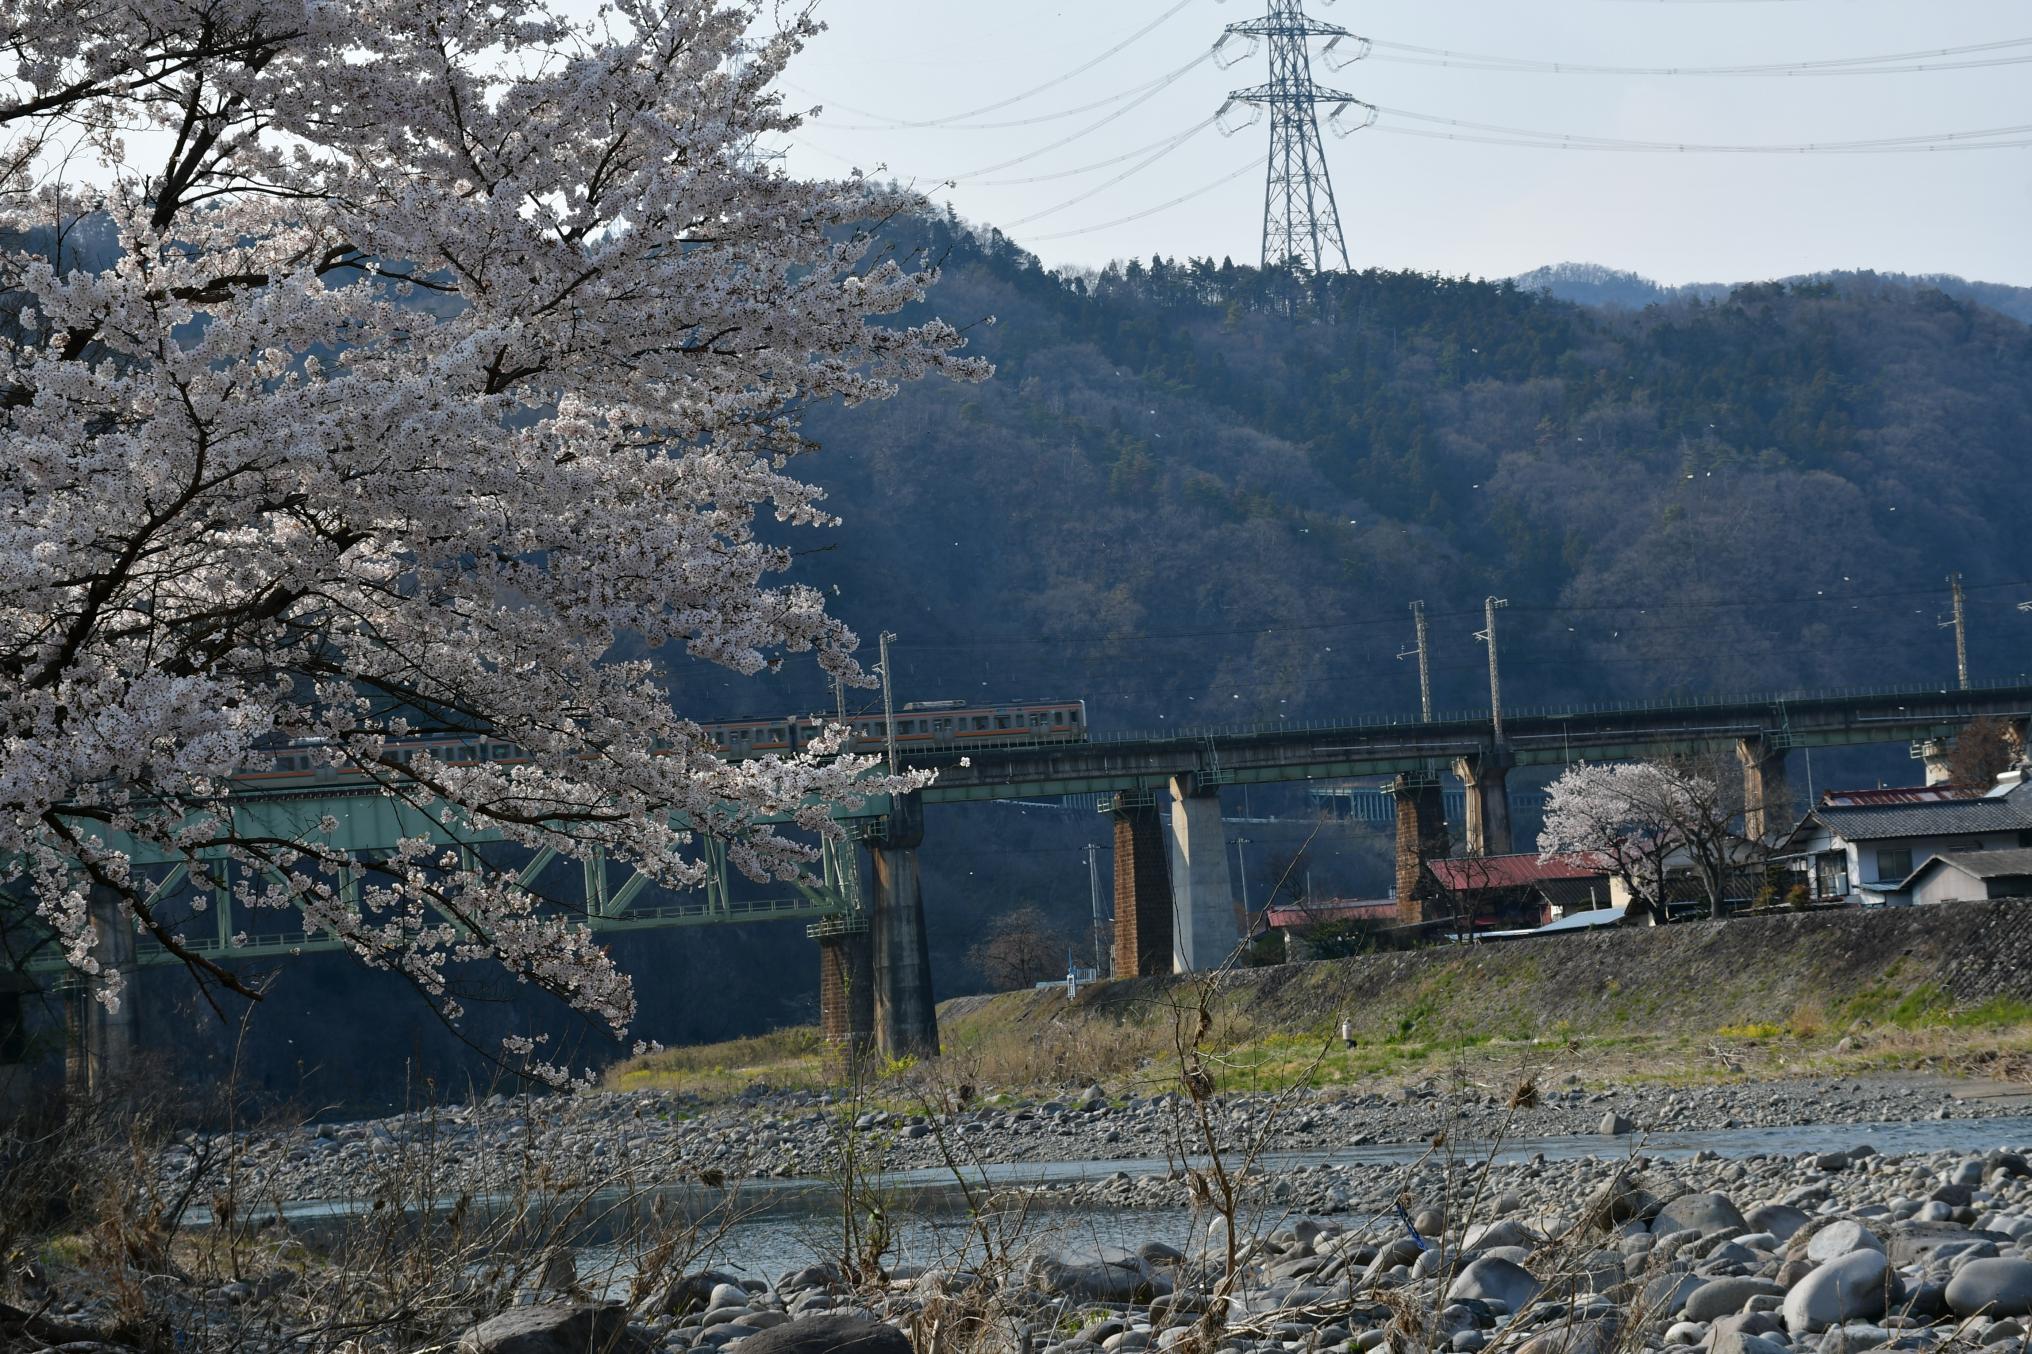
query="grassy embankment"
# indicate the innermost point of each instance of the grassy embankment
(1754, 998)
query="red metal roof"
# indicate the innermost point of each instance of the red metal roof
(1474, 873)
(1332, 909)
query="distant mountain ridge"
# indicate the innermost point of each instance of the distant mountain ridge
(1595, 285)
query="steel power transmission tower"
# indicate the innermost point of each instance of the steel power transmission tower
(1301, 224)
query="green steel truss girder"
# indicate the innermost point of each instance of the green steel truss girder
(608, 891)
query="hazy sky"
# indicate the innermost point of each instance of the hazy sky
(1453, 207)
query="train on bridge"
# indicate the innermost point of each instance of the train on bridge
(940, 725)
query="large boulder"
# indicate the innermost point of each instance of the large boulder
(1109, 1276)
(1780, 1220)
(1860, 1283)
(1736, 1340)
(1493, 1278)
(829, 1335)
(1725, 1297)
(1664, 1296)
(690, 1293)
(1704, 1213)
(556, 1328)
(1914, 1242)
(1569, 1337)
(1991, 1287)
(1840, 1238)
(1502, 1232)
(1618, 1201)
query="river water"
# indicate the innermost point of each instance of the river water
(796, 1223)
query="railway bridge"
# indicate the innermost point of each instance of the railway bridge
(1173, 895)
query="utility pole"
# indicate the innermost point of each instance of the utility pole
(1488, 635)
(888, 706)
(1094, 888)
(1423, 653)
(1242, 873)
(1960, 623)
(1301, 224)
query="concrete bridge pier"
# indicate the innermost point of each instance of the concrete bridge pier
(1485, 776)
(846, 992)
(1767, 794)
(1204, 931)
(1421, 837)
(905, 1016)
(1142, 890)
(101, 1041)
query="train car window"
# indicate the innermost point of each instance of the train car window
(777, 734)
(1001, 721)
(941, 726)
(1072, 715)
(980, 721)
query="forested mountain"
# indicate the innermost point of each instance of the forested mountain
(1590, 284)
(1193, 493)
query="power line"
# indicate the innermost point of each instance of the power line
(1173, 144)
(900, 124)
(1091, 127)
(1200, 191)
(1855, 65)
(1165, 79)
(1098, 164)
(1488, 132)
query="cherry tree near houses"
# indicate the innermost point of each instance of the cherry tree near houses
(1640, 818)
(442, 344)
(1627, 816)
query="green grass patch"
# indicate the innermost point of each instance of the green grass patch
(791, 1058)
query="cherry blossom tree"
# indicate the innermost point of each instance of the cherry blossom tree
(1640, 818)
(1623, 816)
(433, 349)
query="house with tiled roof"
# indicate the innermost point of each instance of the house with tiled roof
(1872, 850)
(1963, 876)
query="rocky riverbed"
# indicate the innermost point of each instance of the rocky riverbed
(787, 1134)
(1834, 1252)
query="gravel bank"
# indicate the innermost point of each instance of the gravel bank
(652, 1135)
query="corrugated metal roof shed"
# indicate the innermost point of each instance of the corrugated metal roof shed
(1469, 874)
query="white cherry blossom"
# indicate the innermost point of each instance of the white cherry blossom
(374, 366)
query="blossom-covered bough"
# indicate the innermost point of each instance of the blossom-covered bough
(431, 347)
